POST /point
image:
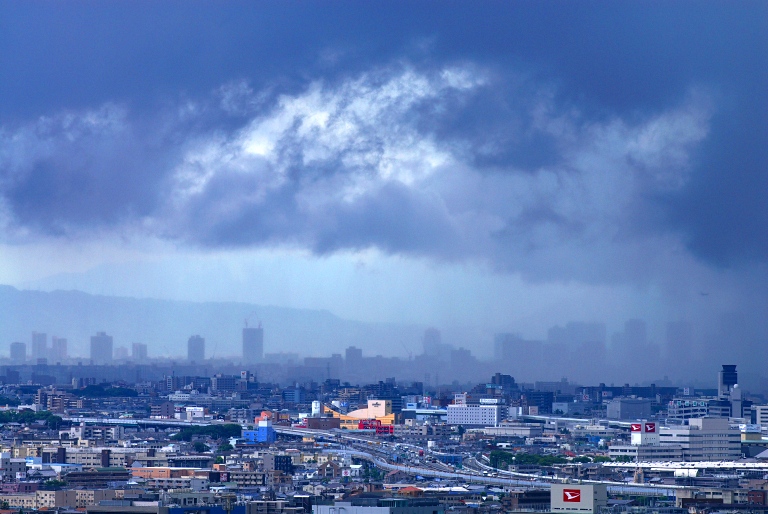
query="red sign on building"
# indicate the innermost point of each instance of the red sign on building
(572, 495)
(636, 427)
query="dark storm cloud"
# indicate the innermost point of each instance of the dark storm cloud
(74, 172)
(524, 133)
(395, 219)
(723, 210)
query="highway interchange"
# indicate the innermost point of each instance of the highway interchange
(419, 461)
(380, 452)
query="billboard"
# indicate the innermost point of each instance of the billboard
(578, 498)
(644, 432)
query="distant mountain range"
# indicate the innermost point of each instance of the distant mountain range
(165, 325)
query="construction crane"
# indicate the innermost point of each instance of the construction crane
(251, 315)
(215, 345)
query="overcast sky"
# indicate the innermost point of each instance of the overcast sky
(509, 165)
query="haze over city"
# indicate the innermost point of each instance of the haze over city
(479, 168)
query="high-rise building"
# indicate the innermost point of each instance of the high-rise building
(196, 349)
(353, 356)
(58, 349)
(432, 342)
(253, 344)
(433, 345)
(18, 352)
(139, 352)
(39, 345)
(101, 348)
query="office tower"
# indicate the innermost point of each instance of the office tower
(432, 342)
(253, 344)
(39, 345)
(121, 353)
(503, 345)
(139, 352)
(434, 346)
(58, 349)
(101, 348)
(196, 349)
(353, 356)
(18, 352)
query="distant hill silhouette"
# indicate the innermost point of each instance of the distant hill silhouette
(165, 325)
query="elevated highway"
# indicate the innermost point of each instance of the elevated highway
(510, 480)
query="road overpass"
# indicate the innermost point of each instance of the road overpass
(529, 481)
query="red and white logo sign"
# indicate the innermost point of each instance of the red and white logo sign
(650, 427)
(636, 427)
(572, 495)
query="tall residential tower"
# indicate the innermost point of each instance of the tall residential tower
(196, 349)
(101, 348)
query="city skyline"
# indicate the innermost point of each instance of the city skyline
(584, 353)
(383, 257)
(481, 169)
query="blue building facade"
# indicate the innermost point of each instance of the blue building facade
(263, 433)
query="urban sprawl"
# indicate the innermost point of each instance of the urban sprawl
(122, 433)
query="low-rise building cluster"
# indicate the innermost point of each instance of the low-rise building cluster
(229, 443)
